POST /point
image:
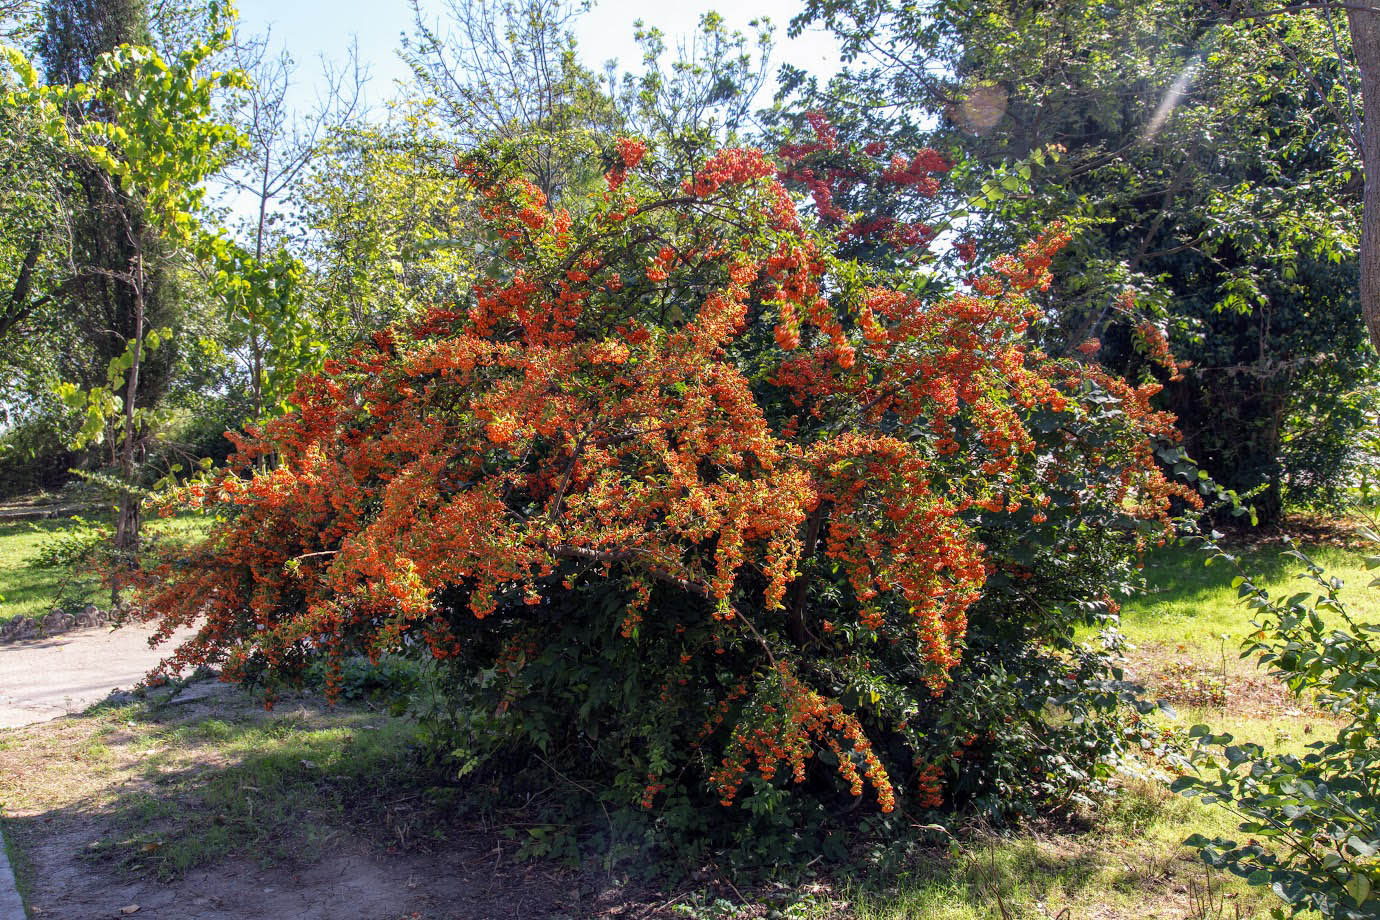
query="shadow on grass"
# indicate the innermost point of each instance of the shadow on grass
(175, 786)
(1191, 603)
(330, 808)
(1127, 861)
(1179, 574)
(172, 796)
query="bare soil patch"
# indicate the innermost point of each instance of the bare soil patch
(218, 810)
(1301, 527)
(1184, 677)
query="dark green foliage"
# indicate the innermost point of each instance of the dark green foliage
(594, 717)
(1208, 164)
(76, 32)
(390, 681)
(35, 457)
(99, 307)
(1275, 396)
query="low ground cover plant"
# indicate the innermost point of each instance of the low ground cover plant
(1313, 821)
(720, 525)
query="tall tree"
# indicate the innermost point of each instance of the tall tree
(704, 94)
(509, 70)
(30, 230)
(119, 288)
(77, 32)
(137, 139)
(388, 232)
(1365, 40)
(1204, 160)
(281, 145)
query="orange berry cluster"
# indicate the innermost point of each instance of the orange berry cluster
(782, 730)
(929, 787)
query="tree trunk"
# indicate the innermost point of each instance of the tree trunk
(256, 353)
(800, 588)
(1365, 41)
(127, 518)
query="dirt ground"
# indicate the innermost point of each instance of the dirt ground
(357, 883)
(81, 789)
(1179, 678)
(88, 796)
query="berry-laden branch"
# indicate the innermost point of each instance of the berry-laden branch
(629, 433)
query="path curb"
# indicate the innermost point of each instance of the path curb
(11, 905)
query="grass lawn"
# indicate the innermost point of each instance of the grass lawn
(29, 589)
(26, 588)
(1192, 604)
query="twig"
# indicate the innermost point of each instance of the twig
(581, 786)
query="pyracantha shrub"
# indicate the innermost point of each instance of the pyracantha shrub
(676, 495)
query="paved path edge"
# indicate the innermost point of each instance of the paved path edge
(11, 904)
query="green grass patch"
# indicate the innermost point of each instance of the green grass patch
(1193, 604)
(1127, 862)
(30, 589)
(281, 794)
(278, 789)
(26, 588)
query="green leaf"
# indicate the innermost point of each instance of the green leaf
(1358, 886)
(1359, 846)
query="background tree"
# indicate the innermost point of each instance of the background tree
(701, 94)
(138, 140)
(1365, 40)
(29, 227)
(119, 287)
(1202, 159)
(31, 233)
(387, 230)
(509, 70)
(19, 20)
(280, 146)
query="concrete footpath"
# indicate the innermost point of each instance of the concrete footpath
(42, 679)
(11, 907)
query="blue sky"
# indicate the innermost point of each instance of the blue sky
(312, 28)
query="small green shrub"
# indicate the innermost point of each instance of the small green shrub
(392, 680)
(73, 546)
(1313, 822)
